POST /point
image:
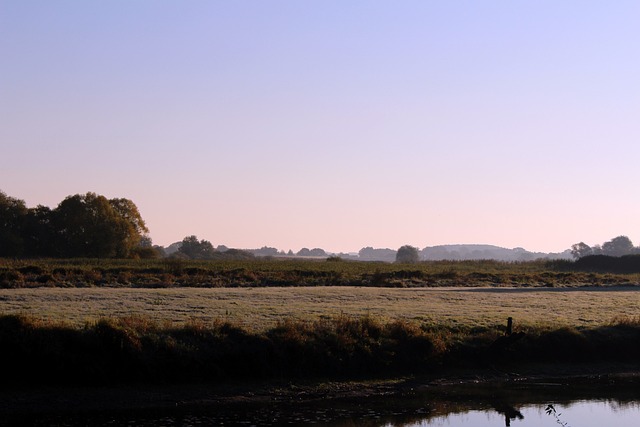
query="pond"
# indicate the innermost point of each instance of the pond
(541, 405)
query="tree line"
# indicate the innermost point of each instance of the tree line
(616, 247)
(92, 226)
(192, 248)
(83, 225)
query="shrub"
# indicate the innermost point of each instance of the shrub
(11, 279)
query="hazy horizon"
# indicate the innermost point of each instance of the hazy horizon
(330, 124)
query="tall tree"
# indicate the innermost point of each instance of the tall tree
(131, 226)
(38, 233)
(196, 249)
(580, 250)
(407, 254)
(12, 215)
(90, 225)
(618, 246)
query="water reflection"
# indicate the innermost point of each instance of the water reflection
(575, 414)
(451, 408)
(509, 412)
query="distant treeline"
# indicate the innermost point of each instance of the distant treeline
(616, 247)
(92, 226)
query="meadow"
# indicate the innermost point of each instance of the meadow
(89, 321)
(172, 273)
(257, 294)
(258, 309)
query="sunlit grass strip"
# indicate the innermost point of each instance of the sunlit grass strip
(257, 309)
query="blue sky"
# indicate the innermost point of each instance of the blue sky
(330, 124)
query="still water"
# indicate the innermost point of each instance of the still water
(575, 414)
(478, 409)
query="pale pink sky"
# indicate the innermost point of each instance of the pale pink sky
(330, 124)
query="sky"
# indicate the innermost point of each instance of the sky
(331, 124)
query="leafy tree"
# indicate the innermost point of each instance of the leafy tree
(580, 250)
(132, 227)
(615, 247)
(86, 225)
(371, 254)
(317, 252)
(39, 233)
(618, 246)
(266, 251)
(160, 251)
(196, 249)
(407, 255)
(311, 252)
(12, 215)
(90, 225)
(145, 242)
(147, 250)
(304, 252)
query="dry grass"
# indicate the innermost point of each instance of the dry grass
(80, 273)
(261, 308)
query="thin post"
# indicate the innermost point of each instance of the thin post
(509, 326)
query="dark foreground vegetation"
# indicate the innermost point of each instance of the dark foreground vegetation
(169, 273)
(132, 350)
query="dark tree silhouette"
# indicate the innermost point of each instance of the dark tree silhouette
(407, 255)
(580, 250)
(13, 213)
(90, 225)
(196, 249)
(87, 225)
(618, 246)
(39, 233)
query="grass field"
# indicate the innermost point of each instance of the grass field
(169, 273)
(260, 308)
(103, 321)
